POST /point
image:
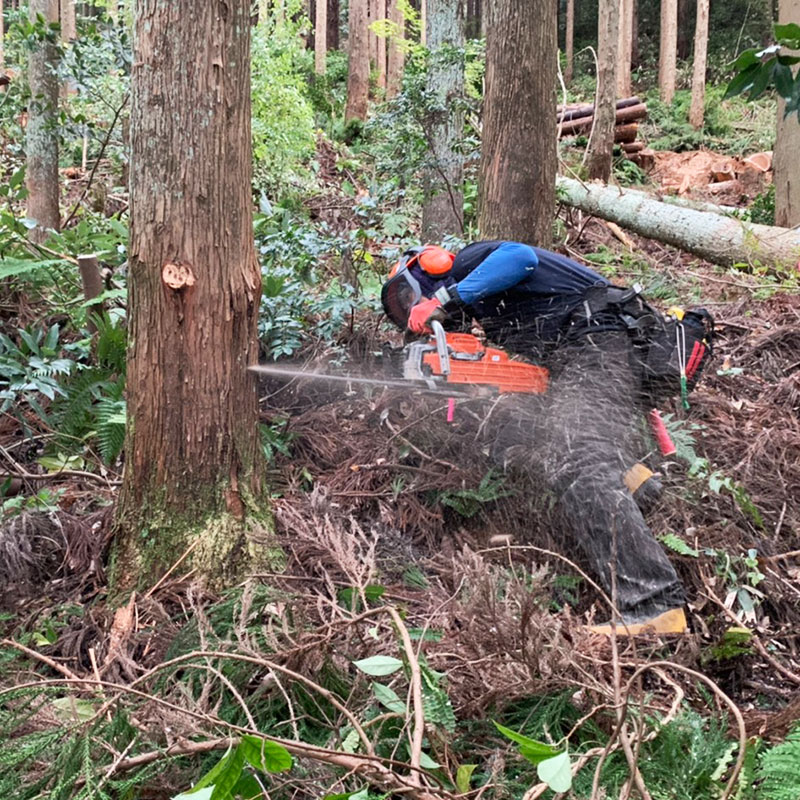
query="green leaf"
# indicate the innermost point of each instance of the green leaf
(426, 762)
(784, 81)
(530, 749)
(68, 709)
(464, 776)
(743, 81)
(388, 698)
(762, 80)
(223, 775)
(11, 267)
(556, 772)
(201, 794)
(265, 755)
(379, 666)
(674, 542)
(745, 59)
(247, 788)
(361, 794)
(788, 35)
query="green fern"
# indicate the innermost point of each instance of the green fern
(110, 415)
(779, 770)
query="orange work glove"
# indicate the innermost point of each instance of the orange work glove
(421, 314)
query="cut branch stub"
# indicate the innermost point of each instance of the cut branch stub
(177, 275)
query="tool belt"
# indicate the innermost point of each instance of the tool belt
(669, 351)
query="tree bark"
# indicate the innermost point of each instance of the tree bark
(69, 30)
(442, 210)
(634, 34)
(625, 48)
(518, 151)
(668, 50)
(786, 163)
(372, 16)
(2, 43)
(320, 36)
(193, 471)
(697, 107)
(601, 142)
(333, 24)
(569, 42)
(358, 63)
(396, 55)
(42, 130)
(720, 239)
(381, 16)
(423, 22)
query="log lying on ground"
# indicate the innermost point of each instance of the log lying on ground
(583, 124)
(588, 110)
(626, 133)
(717, 238)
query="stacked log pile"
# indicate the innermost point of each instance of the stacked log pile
(578, 121)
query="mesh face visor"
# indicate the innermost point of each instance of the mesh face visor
(399, 295)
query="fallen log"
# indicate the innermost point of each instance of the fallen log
(632, 147)
(626, 133)
(716, 238)
(588, 110)
(629, 114)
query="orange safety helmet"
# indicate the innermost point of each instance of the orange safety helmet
(435, 261)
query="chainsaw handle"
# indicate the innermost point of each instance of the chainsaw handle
(441, 346)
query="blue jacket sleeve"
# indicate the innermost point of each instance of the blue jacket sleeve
(507, 266)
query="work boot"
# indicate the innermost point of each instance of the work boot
(671, 621)
(644, 485)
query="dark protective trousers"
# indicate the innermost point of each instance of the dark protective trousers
(587, 442)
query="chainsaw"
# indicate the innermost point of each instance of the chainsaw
(455, 364)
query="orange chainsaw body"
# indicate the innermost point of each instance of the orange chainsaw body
(472, 363)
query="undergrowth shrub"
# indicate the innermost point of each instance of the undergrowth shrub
(283, 117)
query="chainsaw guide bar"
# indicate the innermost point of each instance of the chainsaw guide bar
(452, 364)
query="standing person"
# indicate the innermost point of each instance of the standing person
(588, 333)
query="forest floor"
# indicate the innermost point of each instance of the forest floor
(379, 500)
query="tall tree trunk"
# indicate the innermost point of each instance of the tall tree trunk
(697, 107)
(372, 16)
(569, 41)
(518, 151)
(69, 30)
(668, 50)
(442, 211)
(2, 41)
(634, 34)
(333, 24)
(358, 63)
(42, 131)
(684, 36)
(786, 163)
(601, 143)
(625, 47)
(193, 471)
(320, 36)
(396, 56)
(381, 45)
(423, 21)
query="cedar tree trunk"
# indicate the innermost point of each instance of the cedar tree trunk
(668, 50)
(601, 143)
(625, 48)
(786, 163)
(518, 150)
(715, 237)
(333, 24)
(320, 36)
(396, 55)
(67, 18)
(193, 465)
(697, 107)
(569, 41)
(358, 63)
(41, 143)
(442, 210)
(382, 45)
